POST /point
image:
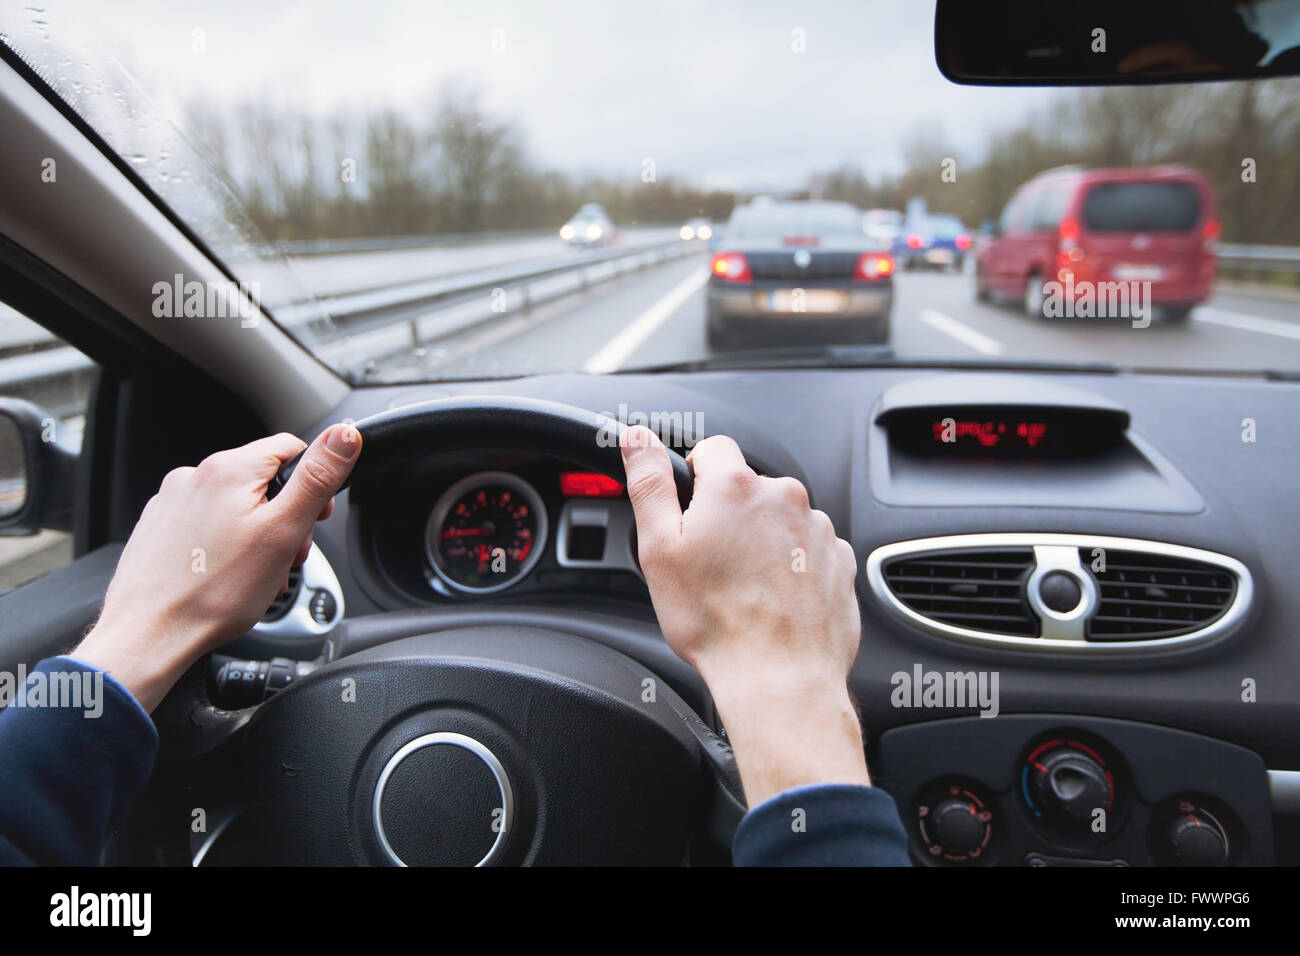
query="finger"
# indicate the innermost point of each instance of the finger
(319, 475)
(650, 486)
(303, 549)
(718, 459)
(326, 511)
(260, 460)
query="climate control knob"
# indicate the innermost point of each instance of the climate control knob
(957, 827)
(1197, 839)
(1068, 785)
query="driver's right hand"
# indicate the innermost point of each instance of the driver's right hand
(754, 589)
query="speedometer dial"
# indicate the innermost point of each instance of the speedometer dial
(486, 532)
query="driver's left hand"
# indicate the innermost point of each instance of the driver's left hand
(209, 554)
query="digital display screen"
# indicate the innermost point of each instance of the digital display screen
(989, 433)
(1004, 432)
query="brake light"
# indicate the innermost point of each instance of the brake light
(1069, 230)
(800, 241)
(589, 484)
(873, 265)
(914, 241)
(963, 241)
(1210, 233)
(732, 267)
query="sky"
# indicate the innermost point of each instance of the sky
(724, 93)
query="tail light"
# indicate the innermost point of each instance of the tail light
(963, 242)
(873, 265)
(800, 241)
(1069, 233)
(914, 241)
(1210, 233)
(731, 267)
(1068, 251)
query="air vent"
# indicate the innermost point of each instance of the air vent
(1147, 596)
(977, 590)
(280, 606)
(1066, 593)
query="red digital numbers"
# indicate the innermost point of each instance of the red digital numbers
(989, 434)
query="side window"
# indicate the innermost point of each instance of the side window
(1047, 217)
(1009, 213)
(1022, 217)
(42, 369)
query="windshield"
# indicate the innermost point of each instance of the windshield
(441, 190)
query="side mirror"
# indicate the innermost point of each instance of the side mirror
(38, 465)
(991, 228)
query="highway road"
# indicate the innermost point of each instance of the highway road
(657, 316)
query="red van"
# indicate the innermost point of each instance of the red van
(1155, 224)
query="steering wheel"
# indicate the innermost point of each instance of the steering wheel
(480, 745)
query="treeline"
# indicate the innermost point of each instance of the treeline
(459, 169)
(1213, 127)
(387, 174)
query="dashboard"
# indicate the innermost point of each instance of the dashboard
(1162, 690)
(466, 527)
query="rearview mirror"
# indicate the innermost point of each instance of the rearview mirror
(1029, 42)
(37, 470)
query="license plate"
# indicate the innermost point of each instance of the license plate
(939, 256)
(806, 300)
(1139, 273)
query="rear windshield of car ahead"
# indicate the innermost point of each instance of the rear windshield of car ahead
(778, 225)
(1141, 207)
(945, 227)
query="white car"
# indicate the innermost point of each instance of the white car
(591, 226)
(697, 228)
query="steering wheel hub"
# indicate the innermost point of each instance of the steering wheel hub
(440, 784)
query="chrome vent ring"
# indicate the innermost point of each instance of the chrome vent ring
(1061, 592)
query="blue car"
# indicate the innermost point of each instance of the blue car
(933, 241)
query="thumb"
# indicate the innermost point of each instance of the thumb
(318, 476)
(650, 485)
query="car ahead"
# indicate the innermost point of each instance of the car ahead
(1089, 229)
(697, 228)
(802, 269)
(590, 226)
(933, 241)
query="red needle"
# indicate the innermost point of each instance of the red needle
(462, 532)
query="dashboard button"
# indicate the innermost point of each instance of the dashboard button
(1060, 592)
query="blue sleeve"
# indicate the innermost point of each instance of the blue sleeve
(75, 750)
(822, 825)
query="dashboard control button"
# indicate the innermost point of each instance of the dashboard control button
(1069, 788)
(1196, 837)
(1060, 592)
(957, 827)
(323, 607)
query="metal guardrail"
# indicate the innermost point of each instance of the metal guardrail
(1259, 260)
(388, 304)
(328, 247)
(354, 328)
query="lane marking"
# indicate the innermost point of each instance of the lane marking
(1246, 323)
(961, 332)
(617, 349)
